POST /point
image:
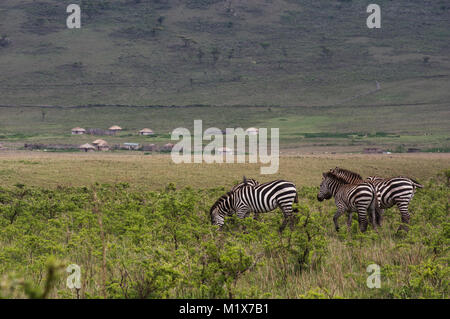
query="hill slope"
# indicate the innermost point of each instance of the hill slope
(223, 52)
(313, 65)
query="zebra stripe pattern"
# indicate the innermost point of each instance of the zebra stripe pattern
(349, 198)
(390, 191)
(245, 182)
(349, 176)
(395, 191)
(259, 198)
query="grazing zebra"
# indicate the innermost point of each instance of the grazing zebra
(349, 198)
(390, 191)
(395, 191)
(259, 198)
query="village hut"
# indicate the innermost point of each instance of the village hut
(78, 131)
(224, 150)
(114, 129)
(146, 131)
(87, 147)
(101, 145)
(252, 131)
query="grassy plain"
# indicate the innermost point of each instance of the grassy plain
(156, 171)
(145, 238)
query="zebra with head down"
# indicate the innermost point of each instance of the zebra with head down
(250, 196)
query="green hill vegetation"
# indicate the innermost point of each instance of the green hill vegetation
(303, 66)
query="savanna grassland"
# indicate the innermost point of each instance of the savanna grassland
(139, 227)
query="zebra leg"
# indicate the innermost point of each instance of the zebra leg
(362, 219)
(287, 210)
(403, 207)
(243, 214)
(349, 221)
(335, 218)
(373, 218)
(294, 217)
(379, 215)
(287, 216)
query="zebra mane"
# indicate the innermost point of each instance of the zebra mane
(335, 178)
(346, 172)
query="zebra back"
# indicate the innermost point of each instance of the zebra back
(245, 182)
(258, 199)
(337, 186)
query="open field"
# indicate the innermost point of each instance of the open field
(138, 225)
(156, 171)
(146, 238)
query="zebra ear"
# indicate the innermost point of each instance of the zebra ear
(324, 174)
(244, 180)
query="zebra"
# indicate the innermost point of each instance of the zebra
(395, 191)
(349, 198)
(390, 191)
(259, 198)
(354, 178)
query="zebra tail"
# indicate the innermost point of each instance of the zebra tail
(373, 208)
(296, 198)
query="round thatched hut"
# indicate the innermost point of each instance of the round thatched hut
(101, 145)
(87, 147)
(78, 131)
(114, 129)
(146, 131)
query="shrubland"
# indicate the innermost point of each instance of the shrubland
(135, 243)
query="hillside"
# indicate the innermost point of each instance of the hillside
(272, 52)
(288, 55)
